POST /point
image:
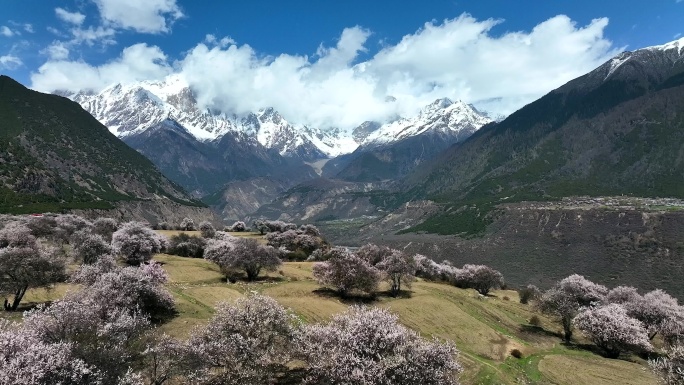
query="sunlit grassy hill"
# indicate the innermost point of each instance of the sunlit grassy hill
(485, 329)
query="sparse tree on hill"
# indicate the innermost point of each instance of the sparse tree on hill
(346, 272)
(373, 254)
(164, 226)
(90, 248)
(239, 226)
(136, 243)
(309, 230)
(207, 230)
(369, 346)
(260, 226)
(245, 343)
(565, 299)
(612, 330)
(187, 224)
(529, 293)
(479, 277)
(24, 264)
(243, 254)
(670, 368)
(398, 268)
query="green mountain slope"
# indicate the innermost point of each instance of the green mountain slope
(56, 156)
(617, 130)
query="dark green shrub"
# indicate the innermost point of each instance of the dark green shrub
(184, 245)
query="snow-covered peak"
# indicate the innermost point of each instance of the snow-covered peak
(443, 116)
(130, 109)
(673, 45)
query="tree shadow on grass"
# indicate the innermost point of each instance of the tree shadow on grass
(260, 279)
(403, 294)
(538, 330)
(349, 299)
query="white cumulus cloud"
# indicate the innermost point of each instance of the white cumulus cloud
(148, 16)
(458, 58)
(76, 18)
(56, 51)
(10, 62)
(6, 31)
(137, 62)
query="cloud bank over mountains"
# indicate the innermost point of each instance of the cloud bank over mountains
(458, 58)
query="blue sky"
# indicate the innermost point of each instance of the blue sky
(350, 53)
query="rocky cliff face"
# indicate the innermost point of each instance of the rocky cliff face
(638, 243)
(154, 212)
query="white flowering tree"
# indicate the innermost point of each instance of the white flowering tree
(246, 343)
(136, 243)
(345, 272)
(369, 346)
(613, 330)
(567, 297)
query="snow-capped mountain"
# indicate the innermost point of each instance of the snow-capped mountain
(130, 109)
(442, 117)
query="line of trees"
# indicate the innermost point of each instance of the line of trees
(618, 320)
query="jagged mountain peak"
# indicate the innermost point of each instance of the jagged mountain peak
(130, 109)
(677, 45)
(443, 117)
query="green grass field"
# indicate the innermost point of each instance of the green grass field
(485, 330)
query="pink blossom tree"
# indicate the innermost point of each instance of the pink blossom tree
(398, 268)
(670, 368)
(90, 247)
(100, 334)
(243, 254)
(207, 229)
(187, 224)
(136, 243)
(346, 272)
(373, 254)
(369, 346)
(479, 277)
(655, 309)
(623, 295)
(26, 360)
(245, 343)
(24, 264)
(105, 227)
(130, 288)
(613, 330)
(565, 299)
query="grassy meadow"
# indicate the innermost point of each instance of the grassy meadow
(485, 330)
